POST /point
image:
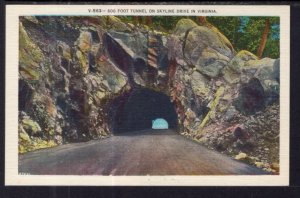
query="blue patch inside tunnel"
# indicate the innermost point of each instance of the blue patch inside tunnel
(160, 123)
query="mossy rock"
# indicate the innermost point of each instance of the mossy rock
(205, 49)
(22, 149)
(35, 144)
(114, 23)
(100, 95)
(30, 56)
(45, 144)
(82, 57)
(183, 26)
(84, 42)
(199, 84)
(238, 62)
(230, 75)
(30, 126)
(64, 50)
(23, 136)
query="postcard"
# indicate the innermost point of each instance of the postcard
(147, 95)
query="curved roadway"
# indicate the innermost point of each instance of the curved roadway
(148, 152)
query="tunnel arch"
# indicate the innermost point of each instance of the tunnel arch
(135, 110)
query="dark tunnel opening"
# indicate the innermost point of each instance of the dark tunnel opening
(136, 110)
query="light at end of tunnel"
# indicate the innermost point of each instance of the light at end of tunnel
(160, 123)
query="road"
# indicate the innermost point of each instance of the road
(148, 152)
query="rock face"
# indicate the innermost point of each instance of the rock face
(73, 68)
(141, 55)
(65, 81)
(214, 86)
(207, 51)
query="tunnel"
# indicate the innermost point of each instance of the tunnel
(136, 111)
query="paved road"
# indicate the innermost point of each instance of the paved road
(148, 152)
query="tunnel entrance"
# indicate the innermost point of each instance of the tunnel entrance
(138, 109)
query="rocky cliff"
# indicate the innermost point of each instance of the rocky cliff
(73, 70)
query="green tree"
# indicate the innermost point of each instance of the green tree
(229, 26)
(252, 34)
(247, 33)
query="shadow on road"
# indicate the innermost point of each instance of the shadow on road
(148, 132)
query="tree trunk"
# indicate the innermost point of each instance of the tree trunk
(137, 20)
(148, 20)
(202, 20)
(263, 40)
